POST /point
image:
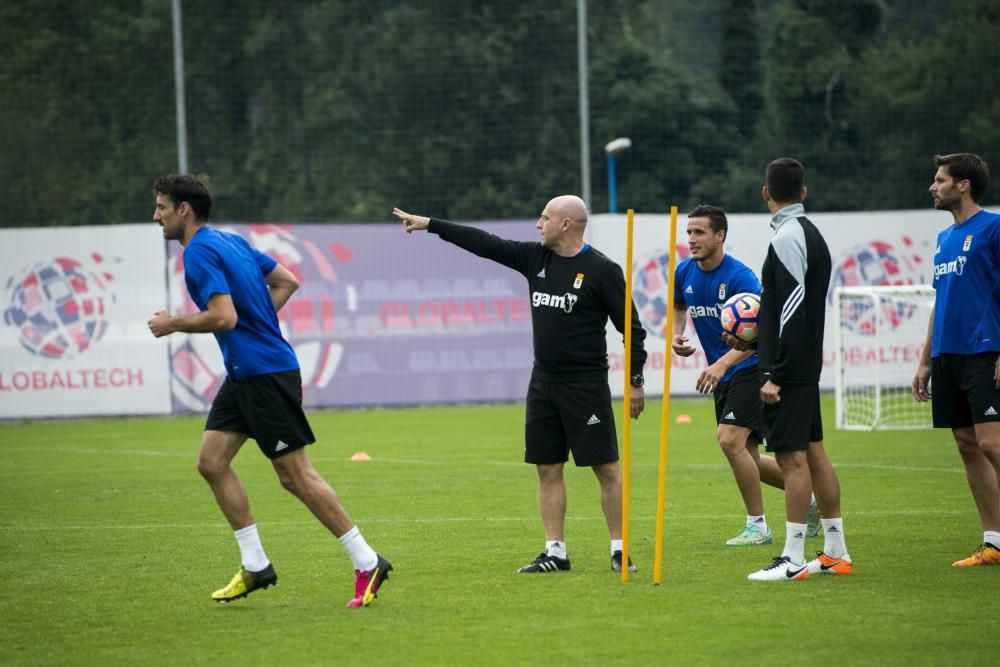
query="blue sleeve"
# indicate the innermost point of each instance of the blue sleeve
(678, 292)
(746, 281)
(264, 262)
(203, 269)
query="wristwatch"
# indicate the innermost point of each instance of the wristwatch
(637, 380)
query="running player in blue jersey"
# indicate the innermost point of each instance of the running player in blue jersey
(239, 292)
(702, 283)
(961, 354)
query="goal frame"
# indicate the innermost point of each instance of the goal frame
(873, 292)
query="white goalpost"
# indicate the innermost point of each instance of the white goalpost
(879, 333)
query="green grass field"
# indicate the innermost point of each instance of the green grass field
(111, 543)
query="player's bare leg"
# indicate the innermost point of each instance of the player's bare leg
(733, 442)
(767, 467)
(825, 483)
(552, 500)
(552, 507)
(975, 446)
(609, 475)
(214, 463)
(833, 559)
(298, 476)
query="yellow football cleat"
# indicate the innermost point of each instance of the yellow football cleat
(986, 554)
(245, 582)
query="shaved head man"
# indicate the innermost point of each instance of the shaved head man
(573, 289)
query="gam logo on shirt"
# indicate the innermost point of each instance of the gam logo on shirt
(565, 301)
(955, 266)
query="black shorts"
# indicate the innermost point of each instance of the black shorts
(569, 416)
(963, 391)
(794, 421)
(268, 408)
(737, 401)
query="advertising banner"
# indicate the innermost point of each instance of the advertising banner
(880, 248)
(73, 333)
(381, 318)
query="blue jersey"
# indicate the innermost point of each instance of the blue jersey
(967, 284)
(221, 263)
(704, 292)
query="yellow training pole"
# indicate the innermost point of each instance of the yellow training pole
(627, 428)
(661, 493)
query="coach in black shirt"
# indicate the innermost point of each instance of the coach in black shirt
(574, 289)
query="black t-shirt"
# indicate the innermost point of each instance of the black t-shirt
(571, 301)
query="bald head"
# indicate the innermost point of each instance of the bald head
(569, 206)
(562, 224)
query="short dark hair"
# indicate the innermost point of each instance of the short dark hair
(785, 178)
(716, 217)
(967, 167)
(186, 188)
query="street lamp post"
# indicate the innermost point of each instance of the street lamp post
(614, 148)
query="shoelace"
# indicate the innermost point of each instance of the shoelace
(778, 562)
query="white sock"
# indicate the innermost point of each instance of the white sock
(251, 550)
(758, 522)
(616, 545)
(992, 537)
(795, 542)
(555, 548)
(833, 537)
(362, 555)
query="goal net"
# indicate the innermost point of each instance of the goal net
(880, 332)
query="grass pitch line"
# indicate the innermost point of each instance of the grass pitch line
(452, 462)
(689, 518)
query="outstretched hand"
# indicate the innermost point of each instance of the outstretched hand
(412, 223)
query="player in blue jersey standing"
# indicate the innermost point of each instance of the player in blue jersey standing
(961, 354)
(239, 292)
(702, 283)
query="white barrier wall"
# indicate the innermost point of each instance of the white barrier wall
(73, 334)
(74, 303)
(880, 248)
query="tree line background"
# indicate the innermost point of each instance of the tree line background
(336, 110)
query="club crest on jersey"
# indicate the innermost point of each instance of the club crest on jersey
(578, 282)
(968, 243)
(564, 301)
(722, 292)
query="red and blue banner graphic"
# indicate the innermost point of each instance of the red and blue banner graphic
(73, 313)
(381, 318)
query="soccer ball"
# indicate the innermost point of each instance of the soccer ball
(739, 316)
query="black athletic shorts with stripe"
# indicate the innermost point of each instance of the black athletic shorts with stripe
(737, 401)
(963, 391)
(563, 417)
(794, 421)
(267, 408)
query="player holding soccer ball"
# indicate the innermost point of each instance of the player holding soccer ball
(794, 283)
(702, 283)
